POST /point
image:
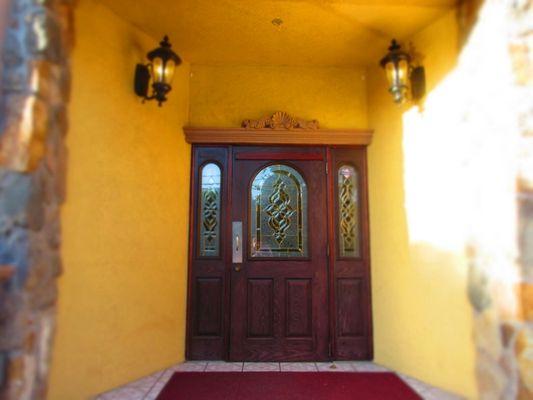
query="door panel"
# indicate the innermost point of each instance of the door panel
(279, 291)
(260, 295)
(299, 308)
(209, 297)
(350, 255)
(279, 258)
(207, 306)
(349, 308)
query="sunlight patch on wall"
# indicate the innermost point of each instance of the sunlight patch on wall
(460, 152)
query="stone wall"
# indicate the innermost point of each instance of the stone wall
(501, 275)
(521, 50)
(33, 123)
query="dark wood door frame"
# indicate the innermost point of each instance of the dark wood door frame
(350, 339)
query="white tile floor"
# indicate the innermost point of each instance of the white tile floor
(149, 387)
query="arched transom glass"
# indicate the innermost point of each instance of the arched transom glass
(348, 211)
(210, 211)
(278, 213)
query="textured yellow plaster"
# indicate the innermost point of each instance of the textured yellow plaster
(422, 317)
(225, 95)
(314, 32)
(125, 222)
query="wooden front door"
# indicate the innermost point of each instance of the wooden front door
(279, 256)
(279, 224)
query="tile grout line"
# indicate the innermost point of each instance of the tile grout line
(161, 373)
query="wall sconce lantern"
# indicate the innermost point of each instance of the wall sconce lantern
(406, 81)
(159, 71)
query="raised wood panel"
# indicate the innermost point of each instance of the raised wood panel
(208, 307)
(350, 317)
(299, 308)
(277, 136)
(207, 304)
(260, 300)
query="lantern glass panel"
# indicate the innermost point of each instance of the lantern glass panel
(403, 72)
(168, 73)
(392, 75)
(158, 70)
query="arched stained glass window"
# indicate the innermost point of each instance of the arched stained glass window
(348, 211)
(278, 213)
(210, 210)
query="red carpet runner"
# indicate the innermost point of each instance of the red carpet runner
(286, 386)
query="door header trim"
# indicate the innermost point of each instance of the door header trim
(267, 136)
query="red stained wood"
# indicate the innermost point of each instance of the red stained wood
(208, 307)
(350, 277)
(246, 310)
(287, 156)
(260, 308)
(308, 309)
(272, 137)
(207, 285)
(299, 307)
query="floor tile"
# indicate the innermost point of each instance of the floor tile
(167, 374)
(190, 366)
(418, 386)
(222, 366)
(260, 366)
(146, 383)
(154, 392)
(298, 367)
(337, 366)
(123, 393)
(148, 388)
(364, 366)
(438, 394)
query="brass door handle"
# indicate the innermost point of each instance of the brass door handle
(237, 245)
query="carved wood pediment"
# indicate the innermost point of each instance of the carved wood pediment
(280, 120)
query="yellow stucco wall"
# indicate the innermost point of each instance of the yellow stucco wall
(122, 295)
(225, 95)
(422, 318)
(125, 221)
(423, 324)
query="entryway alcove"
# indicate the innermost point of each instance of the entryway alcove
(279, 266)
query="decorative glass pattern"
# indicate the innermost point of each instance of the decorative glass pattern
(278, 213)
(210, 211)
(348, 211)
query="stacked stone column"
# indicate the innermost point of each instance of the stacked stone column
(33, 123)
(521, 50)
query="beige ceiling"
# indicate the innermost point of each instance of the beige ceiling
(314, 32)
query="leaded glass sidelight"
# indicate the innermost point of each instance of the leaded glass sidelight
(210, 210)
(278, 213)
(348, 211)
